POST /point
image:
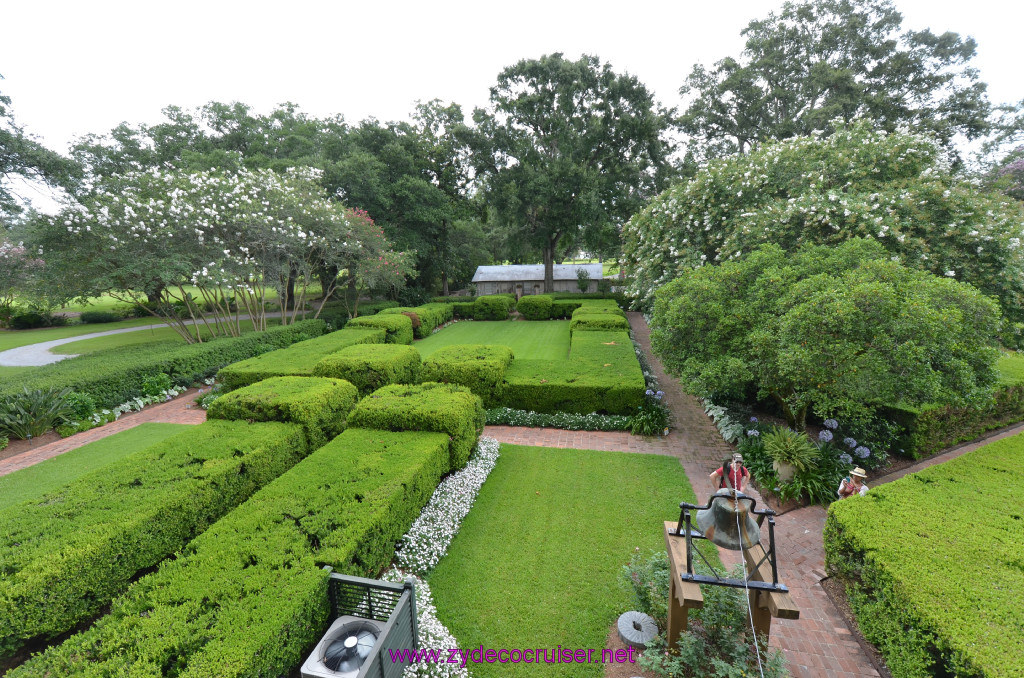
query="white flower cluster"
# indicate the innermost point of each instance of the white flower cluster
(433, 633)
(428, 538)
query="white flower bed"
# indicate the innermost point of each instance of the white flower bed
(425, 544)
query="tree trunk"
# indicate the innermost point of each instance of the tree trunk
(549, 263)
(444, 283)
(154, 297)
(291, 289)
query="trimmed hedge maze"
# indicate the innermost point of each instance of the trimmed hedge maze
(248, 596)
(478, 367)
(298, 359)
(429, 317)
(397, 327)
(66, 555)
(932, 565)
(369, 366)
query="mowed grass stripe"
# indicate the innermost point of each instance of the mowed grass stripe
(35, 481)
(529, 340)
(536, 562)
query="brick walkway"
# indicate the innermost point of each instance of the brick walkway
(177, 411)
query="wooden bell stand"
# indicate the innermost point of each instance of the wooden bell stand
(684, 595)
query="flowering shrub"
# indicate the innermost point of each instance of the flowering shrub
(506, 416)
(856, 183)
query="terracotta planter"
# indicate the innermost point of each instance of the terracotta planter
(785, 471)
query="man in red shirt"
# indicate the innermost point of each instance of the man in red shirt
(732, 474)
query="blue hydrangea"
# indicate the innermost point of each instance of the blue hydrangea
(753, 432)
(862, 452)
(832, 424)
(753, 420)
(850, 442)
(825, 436)
(648, 393)
(845, 458)
(659, 394)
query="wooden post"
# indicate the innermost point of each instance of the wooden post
(682, 595)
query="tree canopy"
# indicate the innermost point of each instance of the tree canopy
(858, 182)
(816, 61)
(837, 330)
(567, 151)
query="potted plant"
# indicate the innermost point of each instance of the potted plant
(791, 451)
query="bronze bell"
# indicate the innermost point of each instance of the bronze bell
(719, 522)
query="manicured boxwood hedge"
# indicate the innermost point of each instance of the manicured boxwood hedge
(67, 554)
(597, 322)
(602, 375)
(560, 310)
(463, 309)
(317, 404)
(248, 597)
(296, 360)
(932, 565)
(478, 367)
(593, 306)
(371, 366)
(442, 408)
(430, 315)
(492, 307)
(535, 306)
(115, 376)
(335, 313)
(398, 327)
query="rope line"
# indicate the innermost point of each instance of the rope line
(746, 589)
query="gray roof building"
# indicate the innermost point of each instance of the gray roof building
(529, 278)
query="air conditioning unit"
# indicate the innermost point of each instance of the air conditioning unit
(371, 617)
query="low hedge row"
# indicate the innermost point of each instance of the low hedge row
(602, 375)
(66, 555)
(431, 316)
(335, 313)
(397, 327)
(441, 408)
(370, 366)
(492, 307)
(248, 597)
(535, 306)
(562, 310)
(320, 406)
(296, 360)
(115, 376)
(596, 306)
(547, 307)
(601, 322)
(932, 565)
(478, 367)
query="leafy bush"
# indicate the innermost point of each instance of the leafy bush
(535, 306)
(80, 406)
(838, 330)
(651, 418)
(32, 320)
(370, 366)
(114, 376)
(463, 309)
(597, 321)
(296, 360)
(4, 442)
(492, 307)
(592, 306)
(787, 446)
(934, 599)
(259, 568)
(858, 182)
(68, 554)
(646, 577)
(32, 413)
(568, 421)
(430, 316)
(582, 279)
(397, 327)
(561, 310)
(479, 368)
(90, 317)
(441, 408)
(319, 405)
(155, 384)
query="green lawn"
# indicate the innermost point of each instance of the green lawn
(47, 476)
(16, 338)
(537, 340)
(536, 562)
(1010, 367)
(139, 337)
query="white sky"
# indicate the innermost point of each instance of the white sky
(73, 68)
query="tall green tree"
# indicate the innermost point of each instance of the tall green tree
(818, 60)
(568, 148)
(24, 158)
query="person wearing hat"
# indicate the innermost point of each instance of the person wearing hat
(853, 484)
(732, 474)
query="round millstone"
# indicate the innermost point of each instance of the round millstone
(636, 629)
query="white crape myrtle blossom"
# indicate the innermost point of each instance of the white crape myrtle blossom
(425, 544)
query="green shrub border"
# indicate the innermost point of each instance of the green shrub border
(371, 366)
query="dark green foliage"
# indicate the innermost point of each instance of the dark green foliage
(602, 375)
(115, 376)
(31, 320)
(463, 309)
(155, 384)
(435, 407)
(370, 366)
(430, 315)
(88, 317)
(248, 597)
(296, 360)
(479, 368)
(335, 313)
(67, 554)
(397, 327)
(32, 413)
(934, 598)
(586, 322)
(492, 307)
(81, 405)
(535, 307)
(561, 310)
(506, 416)
(319, 405)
